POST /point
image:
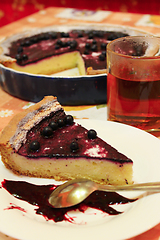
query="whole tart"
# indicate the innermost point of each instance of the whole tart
(50, 50)
(44, 142)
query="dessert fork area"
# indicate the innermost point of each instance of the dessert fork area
(10, 106)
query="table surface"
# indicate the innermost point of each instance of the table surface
(9, 105)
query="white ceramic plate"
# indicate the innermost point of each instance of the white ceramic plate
(137, 217)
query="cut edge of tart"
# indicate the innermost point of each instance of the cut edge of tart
(69, 152)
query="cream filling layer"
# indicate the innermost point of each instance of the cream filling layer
(52, 65)
(102, 171)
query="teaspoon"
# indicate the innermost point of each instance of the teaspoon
(75, 191)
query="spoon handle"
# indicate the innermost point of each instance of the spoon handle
(151, 186)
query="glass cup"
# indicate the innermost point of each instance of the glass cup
(133, 81)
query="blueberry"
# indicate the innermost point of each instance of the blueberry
(53, 35)
(47, 131)
(34, 39)
(104, 53)
(100, 34)
(86, 52)
(46, 36)
(94, 47)
(60, 122)
(80, 34)
(24, 57)
(87, 45)
(74, 146)
(18, 57)
(94, 41)
(22, 44)
(69, 119)
(73, 44)
(103, 46)
(92, 134)
(64, 44)
(90, 36)
(111, 36)
(53, 125)
(20, 49)
(59, 42)
(64, 34)
(57, 46)
(42, 36)
(102, 57)
(27, 43)
(34, 146)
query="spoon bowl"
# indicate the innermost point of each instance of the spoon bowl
(75, 191)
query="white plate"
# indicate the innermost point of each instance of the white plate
(141, 147)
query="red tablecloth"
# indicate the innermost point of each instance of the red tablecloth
(12, 10)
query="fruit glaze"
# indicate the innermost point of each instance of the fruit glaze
(60, 137)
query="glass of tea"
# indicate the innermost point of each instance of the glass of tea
(133, 81)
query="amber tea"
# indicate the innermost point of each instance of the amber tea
(133, 82)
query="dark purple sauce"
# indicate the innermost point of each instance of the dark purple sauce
(38, 195)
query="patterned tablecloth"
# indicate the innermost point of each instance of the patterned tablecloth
(9, 105)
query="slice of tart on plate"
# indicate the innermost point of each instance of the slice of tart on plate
(44, 142)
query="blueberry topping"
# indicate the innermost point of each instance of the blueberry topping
(100, 34)
(94, 47)
(53, 35)
(34, 146)
(53, 125)
(46, 36)
(103, 46)
(57, 46)
(43, 36)
(90, 35)
(87, 45)
(94, 41)
(65, 34)
(86, 52)
(80, 34)
(20, 49)
(24, 57)
(69, 119)
(64, 44)
(47, 131)
(60, 122)
(92, 134)
(104, 53)
(59, 42)
(74, 146)
(27, 43)
(102, 57)
(73, 44)
(18, 57)
(34, 39)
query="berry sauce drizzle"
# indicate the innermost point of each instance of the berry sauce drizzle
(38, 195)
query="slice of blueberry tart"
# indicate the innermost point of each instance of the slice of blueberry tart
(44, 142)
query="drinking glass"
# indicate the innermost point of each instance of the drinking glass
(133, 81)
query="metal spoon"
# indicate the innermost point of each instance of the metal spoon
(75, 191)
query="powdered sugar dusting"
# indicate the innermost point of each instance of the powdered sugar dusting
(96, 151)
